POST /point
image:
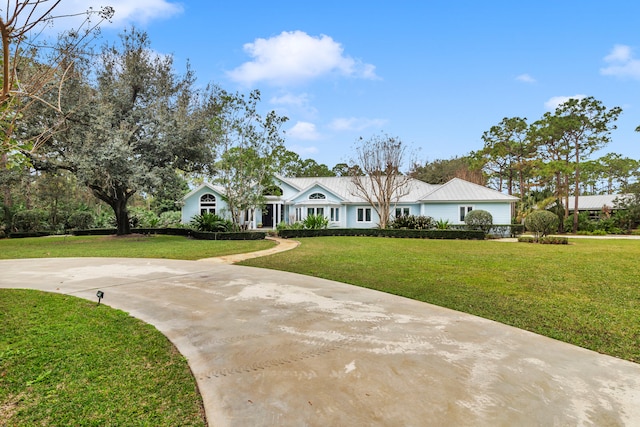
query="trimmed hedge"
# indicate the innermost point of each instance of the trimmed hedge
(247, 235)
(21, 234)
(187, 232)
(377, 232)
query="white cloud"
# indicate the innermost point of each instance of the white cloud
(301, 100)
(622, 63)
(357, 124)
(556, 101)
(126, 11)
(296, 57)
(304, 131)
(525, 78)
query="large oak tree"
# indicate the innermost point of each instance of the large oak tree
(135, 123)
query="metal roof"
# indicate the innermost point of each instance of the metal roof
(343, 187)
(458, 190)
(594, 203)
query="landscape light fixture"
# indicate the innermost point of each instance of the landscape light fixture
(100, 295)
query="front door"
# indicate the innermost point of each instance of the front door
(267, 215)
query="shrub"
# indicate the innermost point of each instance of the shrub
(584, 222)
(315, 222)
(140, 217)
(80, 220)
(526, 239)
(554, 240)
(479, 220)
(293, 226)
(412, 222)
(443, 224)
(211, 223)
(541, 223)
(104, 220)
(30, 221)
(170, 219)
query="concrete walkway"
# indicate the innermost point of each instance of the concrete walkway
(269, 348)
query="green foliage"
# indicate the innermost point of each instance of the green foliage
(526, 239)
(211, 223)
(80, 220)
(385, 232)
(443, 224)
(170, 219)
(413, 222)
(479, 220)
(66, 361)
(293, 226)
(31, 220)
(251, 146)
(553, 240)
(104, 220)
(440, 171)
(141, 217)
(315, 222)
(136, 122)
(627, 217)
(541, 223)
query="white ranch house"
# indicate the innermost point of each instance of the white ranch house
(334, 198)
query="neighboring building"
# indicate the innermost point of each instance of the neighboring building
(334, 198)
(594, 205)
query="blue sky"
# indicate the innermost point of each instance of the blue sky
(436, 74)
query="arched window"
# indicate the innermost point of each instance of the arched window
(207, 204)
(317, 196)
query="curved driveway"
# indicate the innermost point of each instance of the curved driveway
(269, 348)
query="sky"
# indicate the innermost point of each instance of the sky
(435, 74)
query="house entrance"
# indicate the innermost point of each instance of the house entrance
(267, 215)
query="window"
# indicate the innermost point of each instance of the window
(402, 212)
(317, 196)
(298, 214)
(207, 204)
(335, 214)
(464, 210)
(315, 211)
(364, 214)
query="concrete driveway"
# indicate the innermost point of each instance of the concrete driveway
(277, 349)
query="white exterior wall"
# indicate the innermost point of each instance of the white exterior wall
(191, 206)
(501, 212)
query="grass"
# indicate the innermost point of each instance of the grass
(67, 361)
(586, 293)
(134, 246)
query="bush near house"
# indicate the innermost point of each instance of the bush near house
(413, 222)
(541, 223)
(211, 223)
(479, 220)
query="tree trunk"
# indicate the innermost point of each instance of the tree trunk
(577, 192)
(122, 217)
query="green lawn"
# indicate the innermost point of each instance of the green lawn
(586, 293)
(65, 361)
(134, 246)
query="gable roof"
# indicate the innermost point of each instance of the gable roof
(459, 190)
(343, 187)
(215, 188)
